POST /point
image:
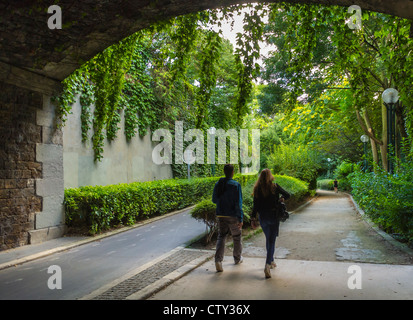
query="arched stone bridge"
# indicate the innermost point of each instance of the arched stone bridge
(33, 61)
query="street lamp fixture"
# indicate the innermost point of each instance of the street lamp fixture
(365, 139)
(390, 97)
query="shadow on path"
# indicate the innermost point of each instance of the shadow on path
(329, 229)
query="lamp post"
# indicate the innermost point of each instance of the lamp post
(211, 131)
(329, 160)
(390, 97)
(365, 139)
(189, 158)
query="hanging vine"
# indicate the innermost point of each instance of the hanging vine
(248, 52)
(208, 75)
(145, 78)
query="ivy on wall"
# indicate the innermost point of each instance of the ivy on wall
(161, 74)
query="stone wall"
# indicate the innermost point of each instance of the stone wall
(37, 161)
(19, 169)
(50, 221)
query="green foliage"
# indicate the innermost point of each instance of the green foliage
(99, 208)
(317, 51)
(325, 184)
(387, 199)
(296, 160)
(210, 57)
(204, 211)
(298, 189)
(248, 51)
(102, 207)
(343, 174)
(107, 72)
(138, 98)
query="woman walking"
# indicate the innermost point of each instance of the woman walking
(266, 204)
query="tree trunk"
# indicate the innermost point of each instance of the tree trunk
(367, 128)
(372, 142)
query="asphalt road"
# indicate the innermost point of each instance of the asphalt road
(90, 266)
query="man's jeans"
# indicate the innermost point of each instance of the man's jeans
(225, 225)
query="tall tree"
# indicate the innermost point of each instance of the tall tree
(321, 51)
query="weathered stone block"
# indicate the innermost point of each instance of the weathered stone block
(41, 235)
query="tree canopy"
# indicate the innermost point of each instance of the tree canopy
(337, 73)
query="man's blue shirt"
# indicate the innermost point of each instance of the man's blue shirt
(229, 203)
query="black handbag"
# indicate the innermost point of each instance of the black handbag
(282, 212)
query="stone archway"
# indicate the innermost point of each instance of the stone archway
(35, 59)
(90, 26)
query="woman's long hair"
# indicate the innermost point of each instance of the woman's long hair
(264, 185)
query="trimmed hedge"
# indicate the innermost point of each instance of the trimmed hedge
(297, 188)
(100, 208)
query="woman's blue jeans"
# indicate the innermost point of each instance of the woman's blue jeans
(270, 228)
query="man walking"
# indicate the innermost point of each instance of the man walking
(335, 186)
(228, 197)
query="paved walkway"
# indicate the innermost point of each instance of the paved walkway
(292, 279)
(325, 251)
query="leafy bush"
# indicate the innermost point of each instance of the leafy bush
(326, 184)
(297, 188)
(387, 199)
(343, 174)
(297, 161)
(205, 211)
(99, 208)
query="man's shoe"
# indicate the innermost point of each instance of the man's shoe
(241, 260)
(218, 266)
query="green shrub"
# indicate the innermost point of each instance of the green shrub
(100, 208)
(343, 174)
(326, 184)
(205, 211)
(296, 160)
(387, 199)
(297, 188)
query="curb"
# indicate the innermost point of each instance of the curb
(171, 277)
(159, 284)
(401, 246)
(45, 253)
(305, 204)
